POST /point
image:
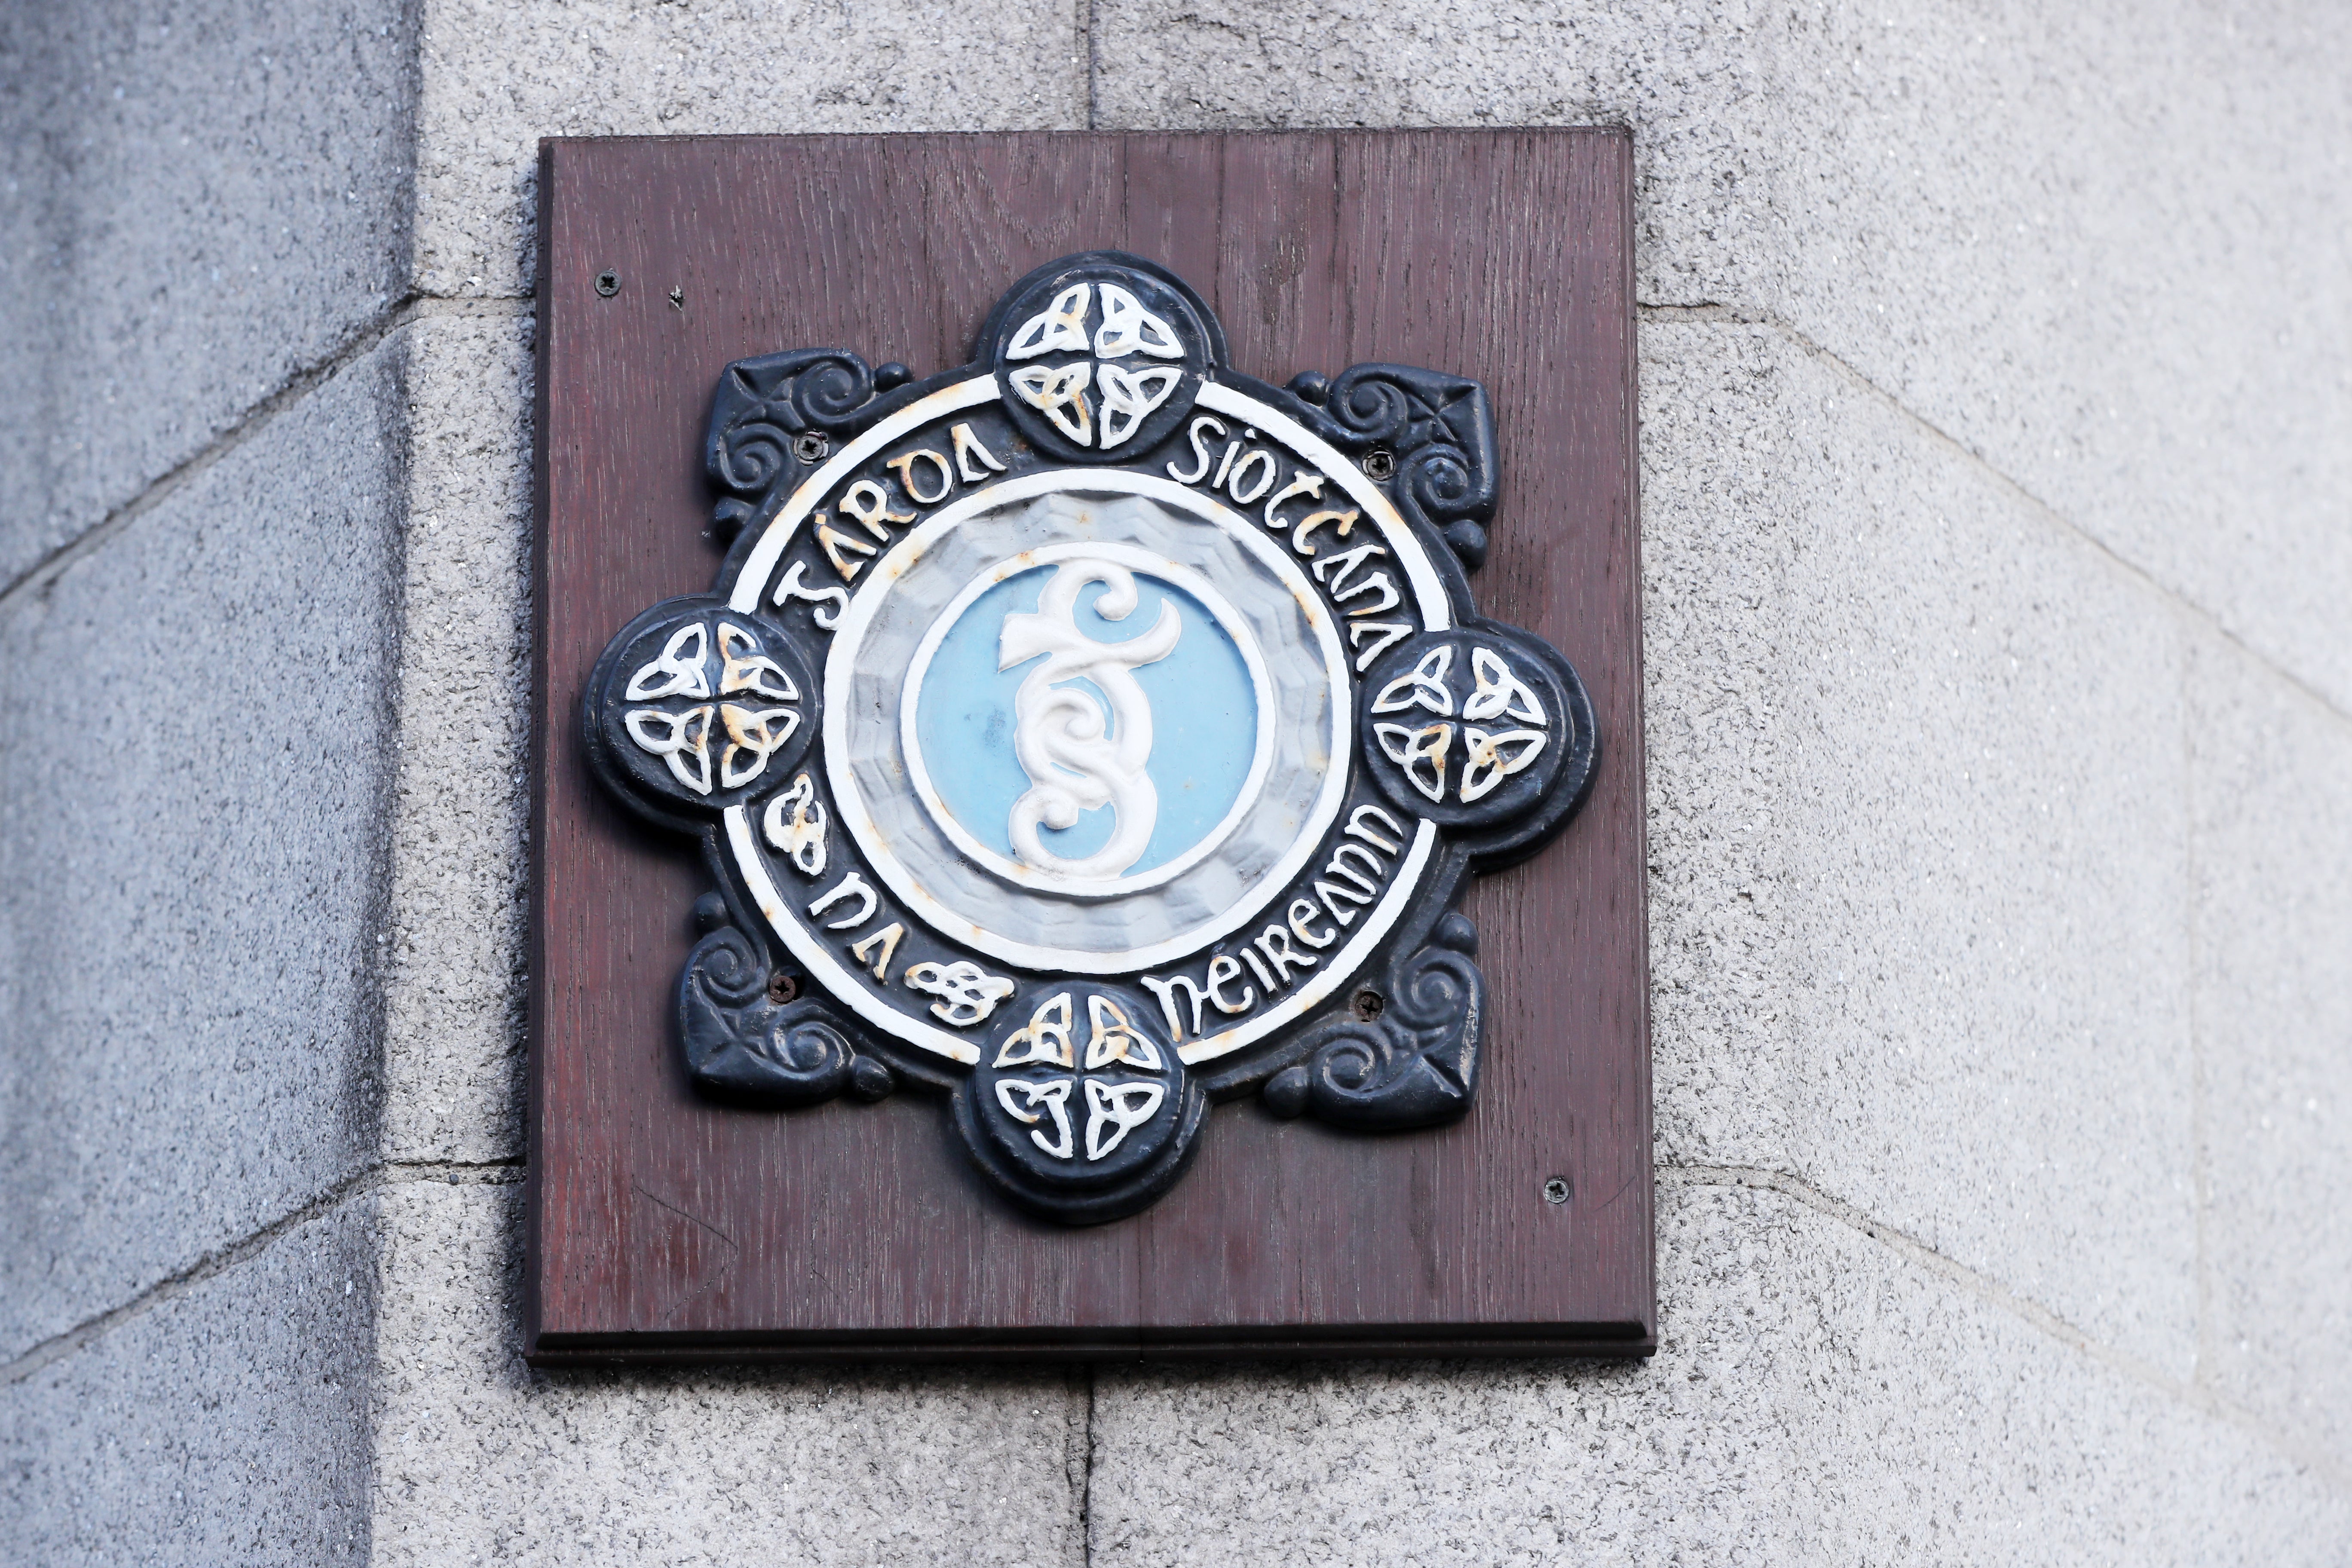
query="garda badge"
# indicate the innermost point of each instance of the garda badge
(1090, 733)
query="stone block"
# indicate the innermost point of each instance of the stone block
(1818, 1397)
(1681, 1458)
(499, 76)
(2274, 1022)
(224, 1423)
(2111, 251)
(481, 1459)
(2107, 249)
(460, 865)
(198, 205)
(1921, 878)
(196, 748)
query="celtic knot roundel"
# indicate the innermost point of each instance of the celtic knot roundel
(697, 706)
(1100, 360)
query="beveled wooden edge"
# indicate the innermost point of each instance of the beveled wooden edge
(1623, 133)
(535, 755)
(1638, 742)
(1549, 1342)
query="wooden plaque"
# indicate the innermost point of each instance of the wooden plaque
(668, 1225)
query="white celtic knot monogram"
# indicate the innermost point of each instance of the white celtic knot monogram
(1114, 1106)
(1129, 397)
(1501, 694)
(1060, 325)
(1423, 686)
(1079, 756)
(682, 737)
(1059, 392)
(1489, 757)
(967, 994)
(1060, 395)
(794, 823)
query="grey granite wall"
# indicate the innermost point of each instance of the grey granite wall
(203, 263)
(1995, 439)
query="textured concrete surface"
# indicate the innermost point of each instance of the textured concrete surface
(2273, 794)
(498, 76)
(196, 203)
(2105, 246)
(1920, 911)
(224, 1424)
(480, 1459)
(460, 870)
(1996, 890)
(1818, 1398)
(194, 750)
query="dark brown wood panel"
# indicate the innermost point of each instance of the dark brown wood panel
(663, 1226)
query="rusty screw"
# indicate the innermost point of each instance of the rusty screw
(811, 448)
(608, 283)
(1369, 1005)
(1555, 1191)
(1380, 463)
(783, 988)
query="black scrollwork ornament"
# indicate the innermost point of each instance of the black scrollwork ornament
(1089, 733)
(1410, 1058)
(742, 1044)
(773, 412)
(1438, 432)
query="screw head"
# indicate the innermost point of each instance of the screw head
(783, 988)
(1369, 1005)
(608, 283)
(811, 446)
(1380, 463)
(1555, 1191)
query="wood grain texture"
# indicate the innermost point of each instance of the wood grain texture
(664, 1227)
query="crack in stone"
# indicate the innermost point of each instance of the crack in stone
(211, 1264)
(2193, 1393)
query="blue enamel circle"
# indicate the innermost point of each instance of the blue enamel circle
(1197, 706)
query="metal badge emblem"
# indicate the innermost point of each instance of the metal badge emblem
(1090, 733)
